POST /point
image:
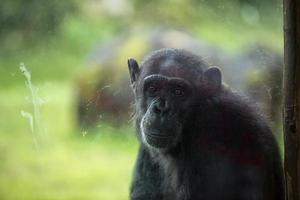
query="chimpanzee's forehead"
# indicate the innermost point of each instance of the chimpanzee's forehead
(172, 68)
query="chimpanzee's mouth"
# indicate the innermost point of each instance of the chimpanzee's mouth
(158, 135)
(158, 140)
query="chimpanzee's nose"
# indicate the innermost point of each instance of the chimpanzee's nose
(161, 107)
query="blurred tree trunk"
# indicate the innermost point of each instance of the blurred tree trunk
(292, 97)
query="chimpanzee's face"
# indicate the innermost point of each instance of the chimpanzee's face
(166, 89)
(164, 104)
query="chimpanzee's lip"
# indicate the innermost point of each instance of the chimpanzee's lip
(158, 140)
(158, 135)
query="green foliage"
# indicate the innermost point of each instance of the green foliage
(31, 18)
(229, 24)
(58, 57)
(188, 13)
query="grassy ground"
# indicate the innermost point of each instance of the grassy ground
(64, 163)
(67, 164)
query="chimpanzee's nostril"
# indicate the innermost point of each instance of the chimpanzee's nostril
(157, 109)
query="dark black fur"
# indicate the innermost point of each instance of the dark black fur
(201, 142)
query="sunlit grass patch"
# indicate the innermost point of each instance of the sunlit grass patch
(68, 165)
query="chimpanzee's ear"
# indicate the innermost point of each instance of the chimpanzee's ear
(134, 70)
(213, 76)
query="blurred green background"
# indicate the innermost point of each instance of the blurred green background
(57, 139)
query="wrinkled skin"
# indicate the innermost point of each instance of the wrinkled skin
(199, 140)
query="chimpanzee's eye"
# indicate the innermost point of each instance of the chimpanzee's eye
(178, 92)
(152, 89)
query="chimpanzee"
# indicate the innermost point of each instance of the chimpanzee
(199, 140)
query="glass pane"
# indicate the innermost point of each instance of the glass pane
(66, 100)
